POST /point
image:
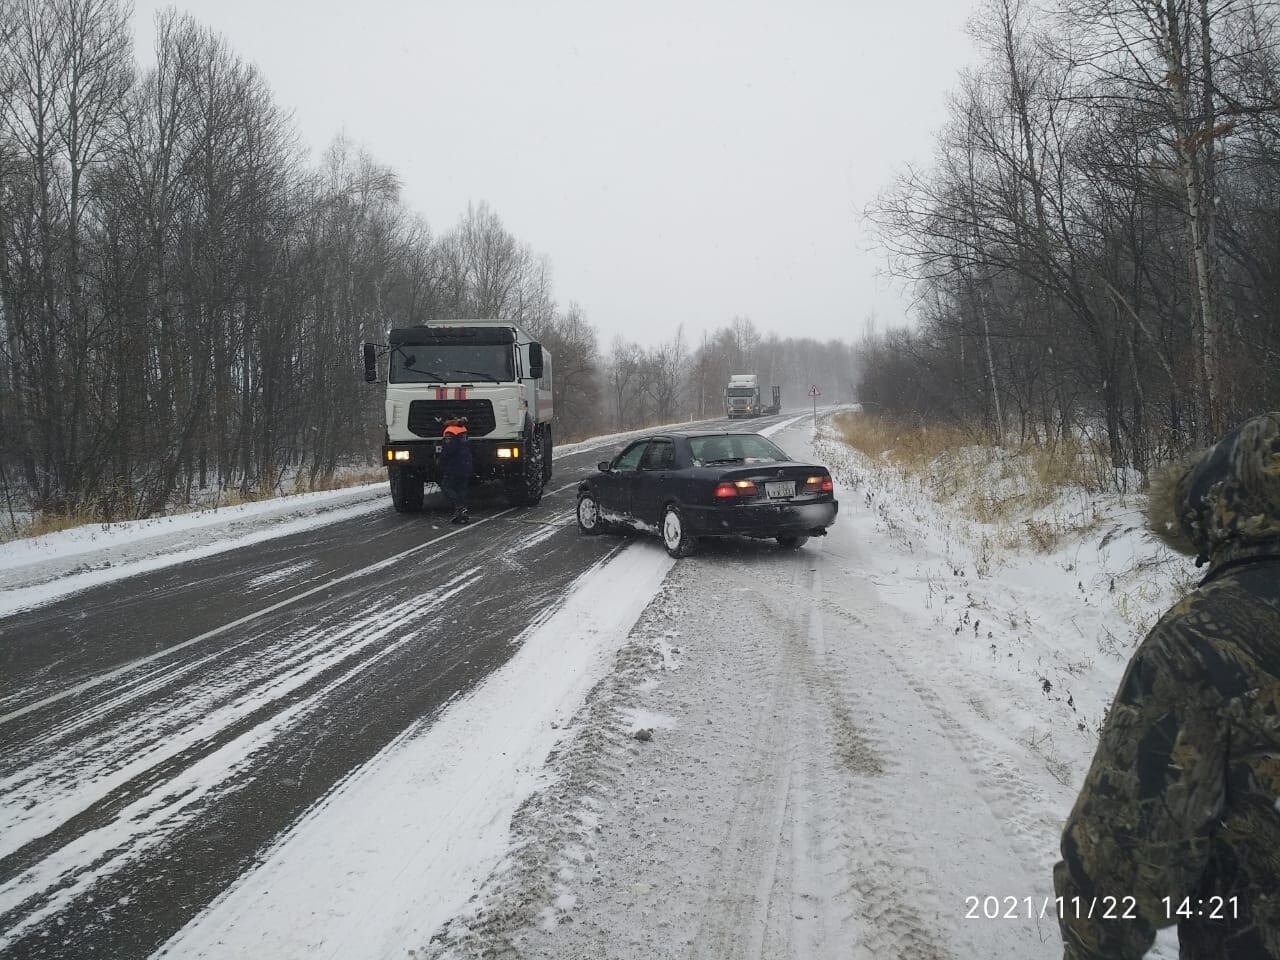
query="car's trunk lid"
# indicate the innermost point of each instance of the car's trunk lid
(775, 481)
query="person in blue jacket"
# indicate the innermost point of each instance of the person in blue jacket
(456, 467)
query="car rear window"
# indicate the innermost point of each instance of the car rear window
(734, 448)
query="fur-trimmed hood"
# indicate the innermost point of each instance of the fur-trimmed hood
(1228, 495)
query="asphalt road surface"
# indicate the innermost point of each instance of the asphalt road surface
(157, 732)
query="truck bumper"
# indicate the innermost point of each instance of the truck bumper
(492, 459)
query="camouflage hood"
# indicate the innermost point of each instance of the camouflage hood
(1224, 498)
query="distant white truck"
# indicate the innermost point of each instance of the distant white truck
(488, 371)
(742, 397)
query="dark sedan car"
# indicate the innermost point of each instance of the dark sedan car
(684, 486)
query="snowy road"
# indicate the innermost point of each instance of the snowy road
(814, 787)
(160, 732)
(381, 738)
(863, 750)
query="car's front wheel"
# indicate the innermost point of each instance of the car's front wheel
(589, 521)
(675, 535)
(793, 543)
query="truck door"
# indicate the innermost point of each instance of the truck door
(653, 483)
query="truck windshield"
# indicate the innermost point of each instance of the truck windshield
(450, 363)
(741, 392)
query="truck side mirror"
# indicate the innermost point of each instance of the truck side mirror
(370, 363)
(535, 361)
(603, 466)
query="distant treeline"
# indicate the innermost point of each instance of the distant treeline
(182, 296)
(1097, 242)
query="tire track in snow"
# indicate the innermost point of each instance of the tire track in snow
(784, 857)
(98, 680)
(61, 800)
(736, 914)
(911, 888)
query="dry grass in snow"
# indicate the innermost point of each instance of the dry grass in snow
(1022, 495)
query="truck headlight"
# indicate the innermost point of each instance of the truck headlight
(508, 453)
(402, 454)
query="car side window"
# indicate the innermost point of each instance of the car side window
(661, 455)
(629, 459)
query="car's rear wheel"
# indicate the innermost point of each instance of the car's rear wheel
(675, 535)
(589, 520)
(406, 489)
(793, 543)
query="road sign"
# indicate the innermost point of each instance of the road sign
(814, 391)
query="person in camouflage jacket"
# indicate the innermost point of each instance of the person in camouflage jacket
(1177, 821)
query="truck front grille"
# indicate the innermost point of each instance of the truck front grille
(427, 417)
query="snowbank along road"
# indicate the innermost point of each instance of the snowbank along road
(164, 734)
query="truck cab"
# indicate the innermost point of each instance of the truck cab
(742, 396)
(489, 372)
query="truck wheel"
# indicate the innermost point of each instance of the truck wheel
(675, 536)
(406, 489)
(526, 489)
(547, 448)
(793, 543)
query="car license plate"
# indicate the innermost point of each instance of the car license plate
(779, 491)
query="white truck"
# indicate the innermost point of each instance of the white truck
(742, 396)
(488, 371)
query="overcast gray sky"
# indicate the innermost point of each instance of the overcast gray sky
(678, 162)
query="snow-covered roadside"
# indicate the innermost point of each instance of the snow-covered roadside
(39, 569)
(178, 528)
(845, 745)
(398, 847)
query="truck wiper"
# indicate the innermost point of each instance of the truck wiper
(483, 376)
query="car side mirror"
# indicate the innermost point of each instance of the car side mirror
(535, 361)
(370, 363)
(603, 466)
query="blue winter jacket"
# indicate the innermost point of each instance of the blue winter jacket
(455, 457)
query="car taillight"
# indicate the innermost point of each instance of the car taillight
(820, 483)
(726, 490)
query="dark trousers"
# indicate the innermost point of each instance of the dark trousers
(455, 491)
